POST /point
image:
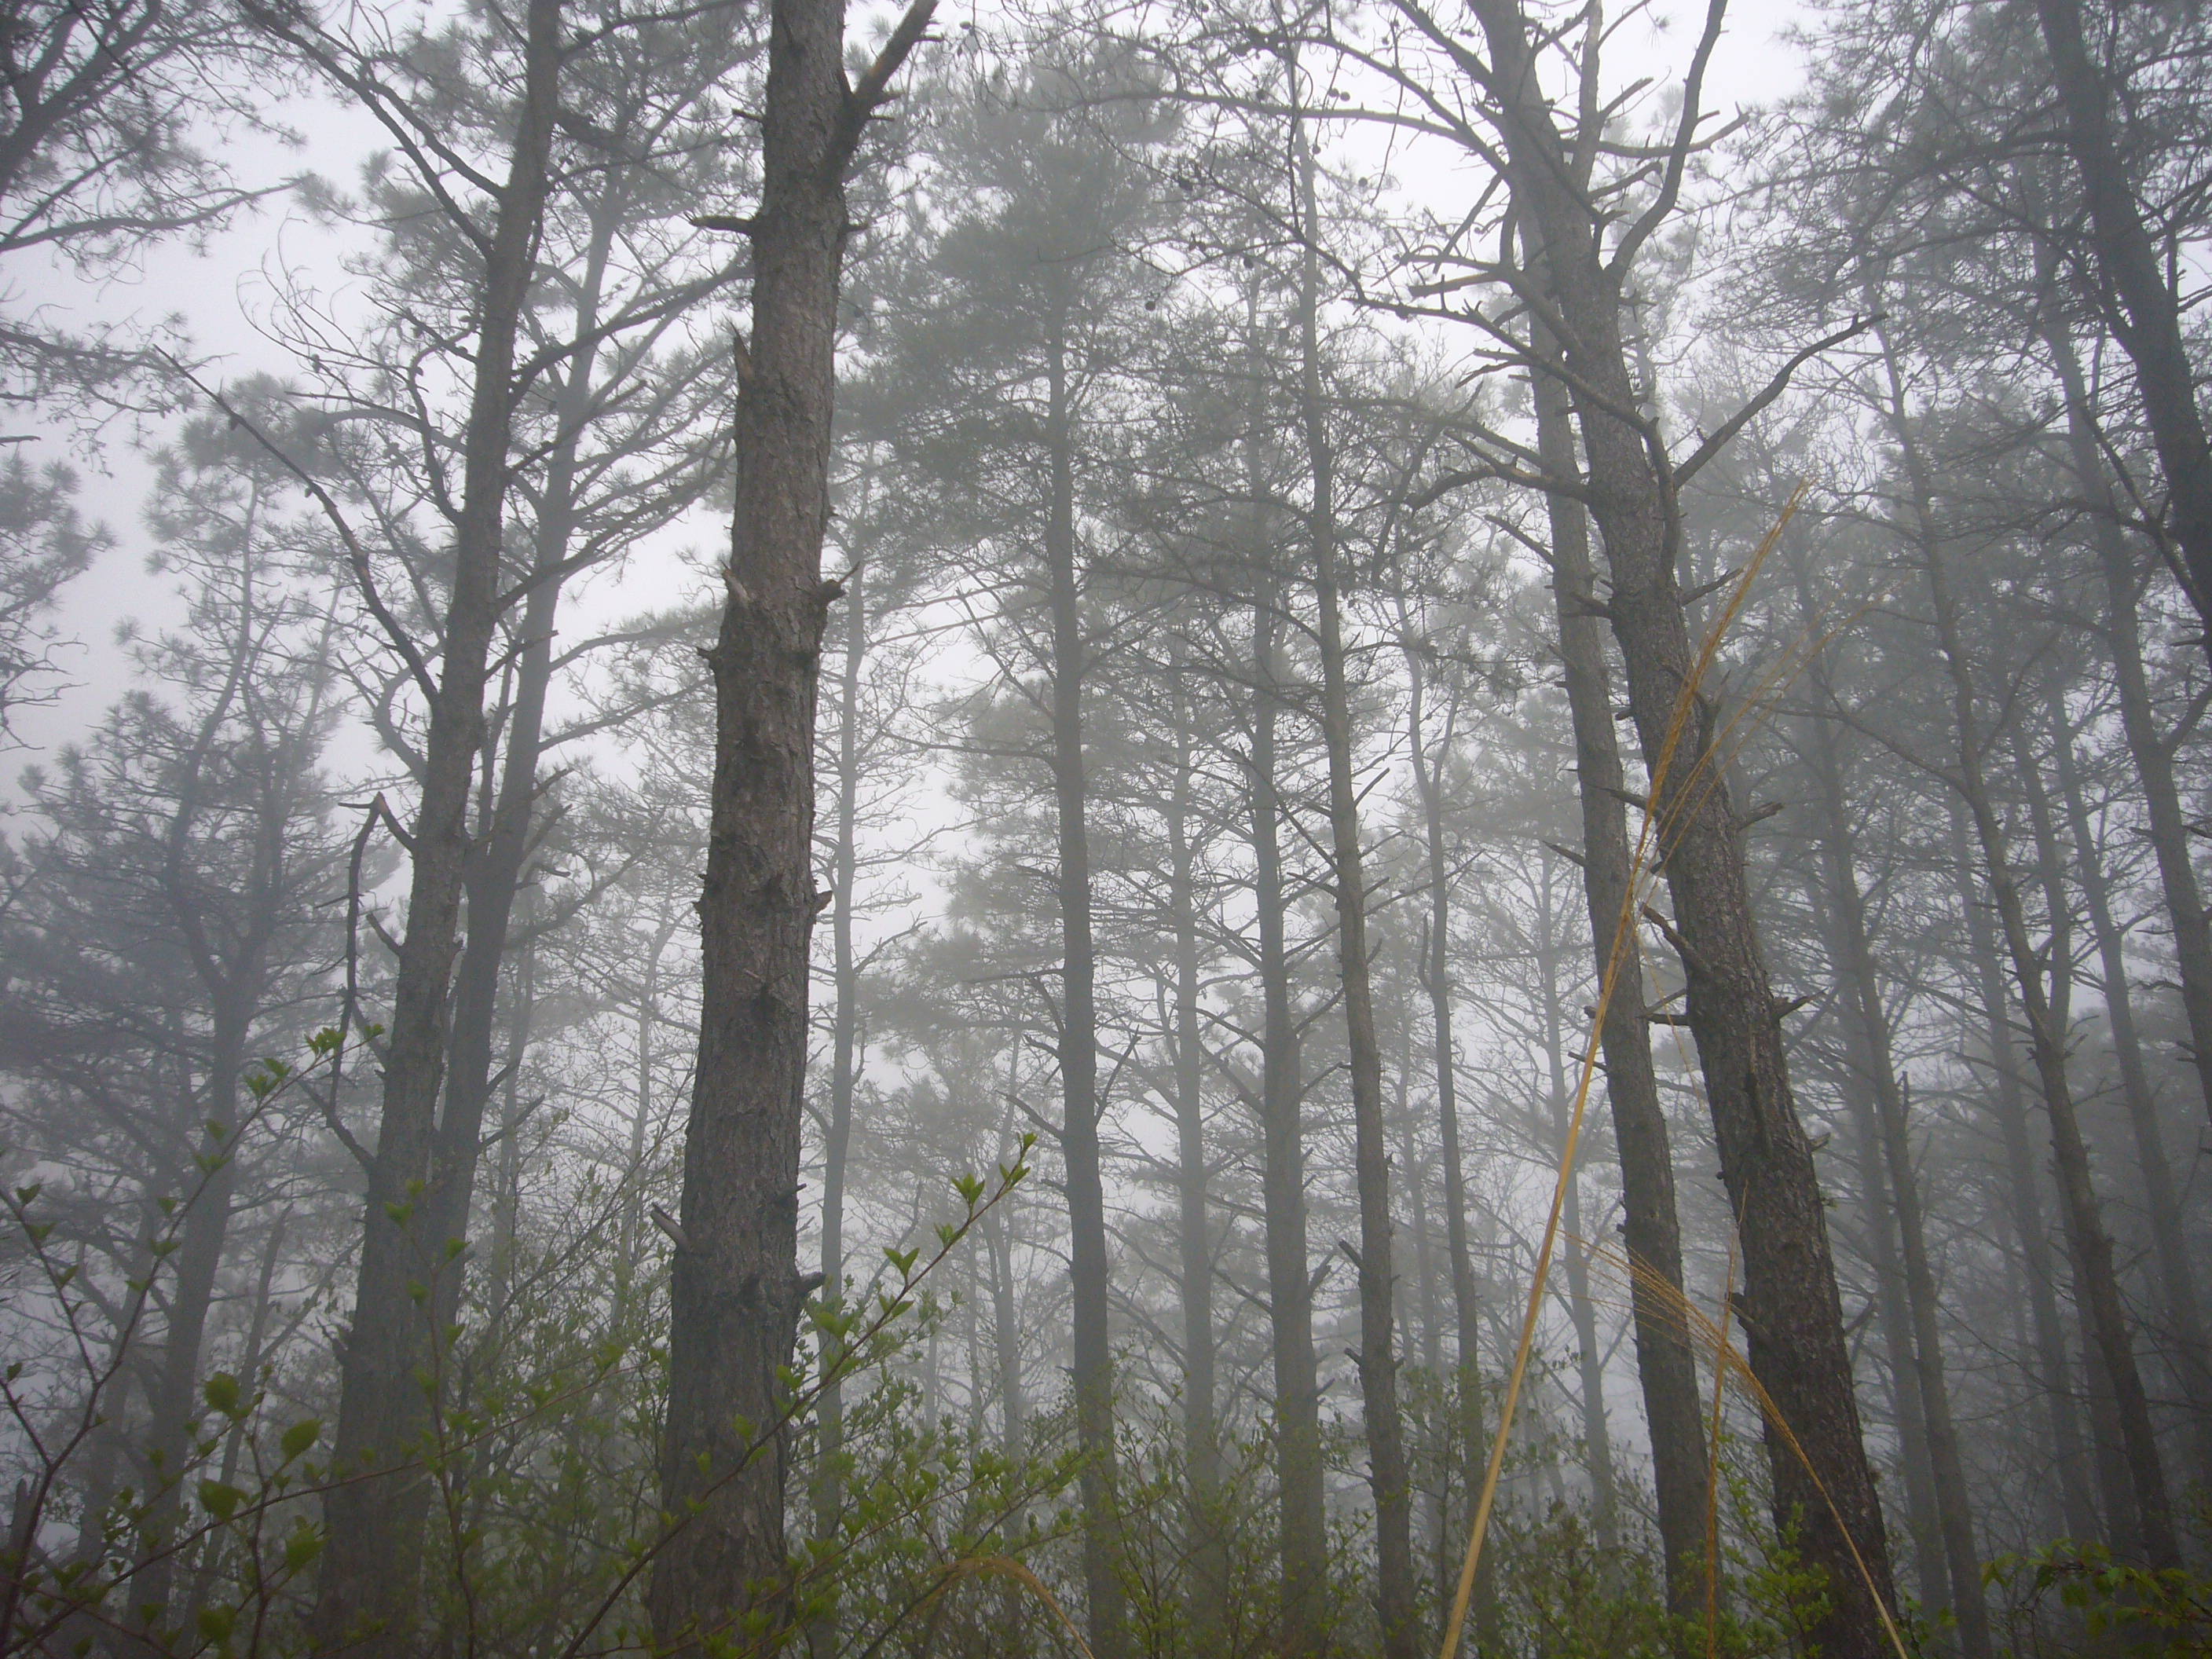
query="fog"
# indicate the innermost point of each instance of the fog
(1152, 831)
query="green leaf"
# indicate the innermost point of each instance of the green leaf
(301, 1547)
(300, 1437)
(219, 1500)
(223, 1393)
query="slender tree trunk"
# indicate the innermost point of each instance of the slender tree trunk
(1672, 1409)
(1291, 1286)
(1378, 1359)
(2107, 1436)
(2177, 1276)
(1582, 1313)
(1959, 1563)
(736, 1289)
(191, 1295)
(1078, 1039)
(1436, 973)
(1201, 1443)
(2053, 1377)
(2144, 312)
(2166, 821)
(2096, 1281)
(1000, 1236)
(844, 1046)
(1282, 1183)
(495, 865)
(373, 1520)
(1894, 1317)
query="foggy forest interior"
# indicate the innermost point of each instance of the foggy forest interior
(1140, 827)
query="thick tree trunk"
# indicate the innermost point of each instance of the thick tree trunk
(1378, 1361)
(1649, 1230)
(2144, 312)
(736, 1289)
(1824, 1487)
(366, 1596)
(1956, 1583)
(2096, 1281)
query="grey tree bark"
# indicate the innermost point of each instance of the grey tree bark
(2097, 1284)
(1824, 1485)
(366, 1592)
(736, 1289)
(1387, 1475)
(1650, 1231)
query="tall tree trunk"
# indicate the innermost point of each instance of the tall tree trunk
(1078, 1039)
(1582, 1312)
(1823, 1484)
(1649, 1230)
(1282, 1183)
(736, 1289)
(1299, 1471)
(495, 869)
(1208, 1550)
(2053, 1374)
(2096, 1281)
(1894, 1315)
(373, 1519)
(844, 1043)
(2166, 821)
(1378, 1361)
(175, 1396)
(2144, 312)
(1436, 972)
(1960, 1562)
(2107, 1436)
(2177, 1276)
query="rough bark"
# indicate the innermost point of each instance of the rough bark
(366, 1594)
(736, 1289)
(1824, 1487)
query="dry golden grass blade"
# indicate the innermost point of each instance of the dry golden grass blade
(1704, 776)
